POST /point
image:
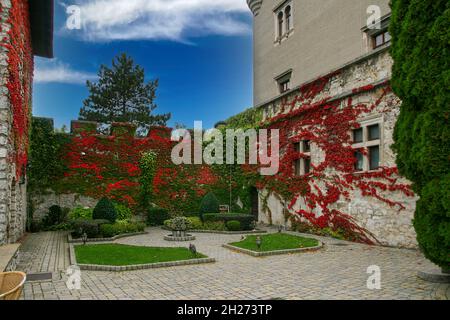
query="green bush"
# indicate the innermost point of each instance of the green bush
(209, 204)
(432, 221)
(420, 78)
(111, 230)
(105, 210)
(157, 216)
(247, 220)
(196, 223)
(123, 212)
(90, 227)
(56, 215)
(234, 225)
(108, 230)
(80, 213)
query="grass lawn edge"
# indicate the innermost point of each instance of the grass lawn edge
(131, 267)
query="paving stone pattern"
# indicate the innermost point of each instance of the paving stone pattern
(338, 271)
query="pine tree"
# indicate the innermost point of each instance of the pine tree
(122, 95)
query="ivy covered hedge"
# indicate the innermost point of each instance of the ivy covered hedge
(420, 49)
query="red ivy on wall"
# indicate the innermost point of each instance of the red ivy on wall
(20, 68)
(101, 165)
(327, 125)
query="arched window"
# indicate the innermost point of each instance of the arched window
(288, 18)
(280, 24)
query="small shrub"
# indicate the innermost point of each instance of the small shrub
(111, 230)
(123, 212)
(247, 220)
(157, 216)
(209, 204)
(55, 216)
(105, 210)
(233, 225)
(215, 226)
(196, 223)
(81, 213)
(90, 227)
(108, 230)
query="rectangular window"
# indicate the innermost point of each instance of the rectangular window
(306, 146)
(297, 167)
(359, 165)
(381, 39)
(302, 166)
(374, 132)
(285, 86)
(358, 135)
(367, 142)
(374, 157)
(307, 165)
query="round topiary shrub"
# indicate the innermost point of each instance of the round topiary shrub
(209, 204)
(234, 225)
(105, 210)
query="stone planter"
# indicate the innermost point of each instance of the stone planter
(179, 235)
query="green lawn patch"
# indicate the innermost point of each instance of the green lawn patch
(276, 241)
(124, 255)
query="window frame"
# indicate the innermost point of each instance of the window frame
(300, 164)
(384, 41)
(285, 27)
(366, 144)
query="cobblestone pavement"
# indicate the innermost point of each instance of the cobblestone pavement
(338, 271)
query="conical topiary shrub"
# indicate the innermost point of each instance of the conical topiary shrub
(209, 204)
(105, 210)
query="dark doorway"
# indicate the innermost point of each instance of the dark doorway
(254, 198)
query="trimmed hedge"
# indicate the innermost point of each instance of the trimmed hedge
(111, 230)
(234, 225)
(157, 216)
(247, 221)
(105, 210)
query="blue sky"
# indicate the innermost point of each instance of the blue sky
(201, 51)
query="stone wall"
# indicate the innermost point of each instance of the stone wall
(12, 192)
(391, 226)
(40, 203)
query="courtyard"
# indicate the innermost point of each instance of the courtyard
(337, 271)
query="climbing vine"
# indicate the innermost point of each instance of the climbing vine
(327, 125)
(20, 69)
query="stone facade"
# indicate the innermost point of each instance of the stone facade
(324, 35)
(389, 225)
(330, 37)
(12, 192)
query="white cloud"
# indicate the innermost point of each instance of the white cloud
(57, 72)
(176, 20)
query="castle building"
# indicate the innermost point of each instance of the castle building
(26, 30)
(344, 45)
